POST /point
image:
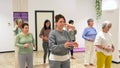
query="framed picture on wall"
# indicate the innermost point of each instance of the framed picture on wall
(22, 15)
(40, 17)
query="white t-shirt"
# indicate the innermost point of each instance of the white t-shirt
(104, 39)
(59, 58)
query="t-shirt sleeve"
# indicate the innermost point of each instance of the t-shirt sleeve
(98, 40)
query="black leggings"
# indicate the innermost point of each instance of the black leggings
(72, 49)
(46, 50)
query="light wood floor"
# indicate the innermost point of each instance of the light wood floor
(7, 60)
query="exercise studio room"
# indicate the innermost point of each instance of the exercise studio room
(60, 34)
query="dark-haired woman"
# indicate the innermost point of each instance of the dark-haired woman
(44, 35)
(72, 32)
(25, 42)
(60, 44)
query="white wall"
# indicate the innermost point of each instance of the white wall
(6, 22)
(20, 5)
(119, 22)
(78, 10)
(114, 18)
(71, 9)
(6, 26)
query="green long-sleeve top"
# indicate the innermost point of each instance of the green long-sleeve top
(23, 39)
(17, 30)
(72, 34)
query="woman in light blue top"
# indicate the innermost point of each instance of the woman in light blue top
(89, 35)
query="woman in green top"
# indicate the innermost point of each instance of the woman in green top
(25, 43)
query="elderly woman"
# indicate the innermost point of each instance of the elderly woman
(89, 35)
(104, 46)
(17, 29)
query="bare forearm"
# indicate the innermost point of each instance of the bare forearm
(100, 46)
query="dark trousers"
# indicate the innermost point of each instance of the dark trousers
(71, 51)
(46, 50)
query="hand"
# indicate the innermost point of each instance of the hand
(108, 49)
(26, 45)
(34, 46)
(75, 44)
(92, 40)
(70, 30)
(16, 26)
(69, 26)
(68, 44)
(45, 38)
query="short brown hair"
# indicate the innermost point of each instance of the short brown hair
(57, 17)
(25, 24)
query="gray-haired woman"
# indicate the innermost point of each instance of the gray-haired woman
(89, 35)
(104, 46)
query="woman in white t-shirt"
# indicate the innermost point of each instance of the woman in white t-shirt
(104, 46)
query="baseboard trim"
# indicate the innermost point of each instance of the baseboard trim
(115, 62)
(6, 51)
(10, 51)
